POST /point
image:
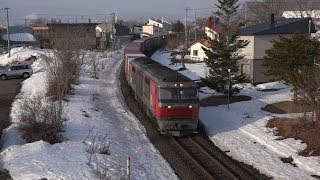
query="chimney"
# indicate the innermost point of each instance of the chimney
(272, 19)
(209, 23)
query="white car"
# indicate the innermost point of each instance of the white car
(17, 70)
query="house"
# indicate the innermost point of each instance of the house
(196, 51)
(56, 33)
(212, 31)
(261, 36)
(151, 30)
(160, 23)
(105, 32)
(17, 40)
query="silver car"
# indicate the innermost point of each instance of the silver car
(17, 70)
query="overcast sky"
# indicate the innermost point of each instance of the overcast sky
(87, 8)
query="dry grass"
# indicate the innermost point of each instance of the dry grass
(287, 107)
(222, 100)
(300, 129)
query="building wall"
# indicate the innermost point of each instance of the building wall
(254, 54)
(248, 51)
(154, 23)
(210, 33)
(152, 30)
(264, 42)
(201, 54)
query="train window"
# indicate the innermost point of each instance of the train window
(133, 75)
(169, 94)
(188, 93)
(146, 87)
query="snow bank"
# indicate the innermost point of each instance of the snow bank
(106, 114)
(241, 129)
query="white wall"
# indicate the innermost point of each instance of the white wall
(248, 51)
(201, 54)
(210, 33)
(153, 30)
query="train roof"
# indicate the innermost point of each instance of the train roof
(158, 72)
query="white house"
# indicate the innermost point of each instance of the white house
(151, 30)
(160, 23)
(260, 37)
(196, 51)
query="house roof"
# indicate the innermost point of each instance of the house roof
(20, 37)
(160, 21)
(204, 42)
(281, 26)
(218, 28)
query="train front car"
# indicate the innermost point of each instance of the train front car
(168, 95)
(178, 105)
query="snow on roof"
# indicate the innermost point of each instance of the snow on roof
(22, 37)
(204, 42)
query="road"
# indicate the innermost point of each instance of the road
(8, 91)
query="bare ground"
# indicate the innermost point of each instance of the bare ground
(222, 100)
(286, 107)
(308, 132)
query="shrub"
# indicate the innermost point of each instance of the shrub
(41, 119)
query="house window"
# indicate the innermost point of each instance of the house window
(195, 53)
(245, 69)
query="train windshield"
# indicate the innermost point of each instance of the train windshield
(178, 93)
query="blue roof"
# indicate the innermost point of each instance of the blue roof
(281, 26)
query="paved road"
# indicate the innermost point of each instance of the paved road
(8, 90)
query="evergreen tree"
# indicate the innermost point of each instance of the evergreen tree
(177, 26)
(290, 58)
(224, 51)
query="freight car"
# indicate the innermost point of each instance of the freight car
(166, 95)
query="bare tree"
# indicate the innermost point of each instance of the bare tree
(309, 91)
(65, 62)
(260, 11)
(178, 47)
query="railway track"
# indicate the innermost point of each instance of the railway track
(192, 157)
(202, 162)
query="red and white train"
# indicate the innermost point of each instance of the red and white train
(164, 93)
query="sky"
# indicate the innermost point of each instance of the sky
(85, 9)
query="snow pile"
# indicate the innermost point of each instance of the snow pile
(21, 37)
(97, 107)
(241, 130)
(20, 54)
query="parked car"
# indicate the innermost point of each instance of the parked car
(16, 70)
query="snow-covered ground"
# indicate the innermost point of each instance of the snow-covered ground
(241, 129)
(102, 101)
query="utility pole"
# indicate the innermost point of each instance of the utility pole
(195, 26)
(8, 33)
(185, 28)
(246, 11)
(113, 32)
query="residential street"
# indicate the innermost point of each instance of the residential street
(8, 90)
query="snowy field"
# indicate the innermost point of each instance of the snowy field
(99, 99)
(241, 129)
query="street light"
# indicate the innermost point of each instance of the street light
(229, 86)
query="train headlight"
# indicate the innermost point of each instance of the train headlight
(181, 85)
(190, 106)
(175, 85)
(169, 107)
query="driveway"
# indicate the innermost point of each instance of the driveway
(8, 90)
